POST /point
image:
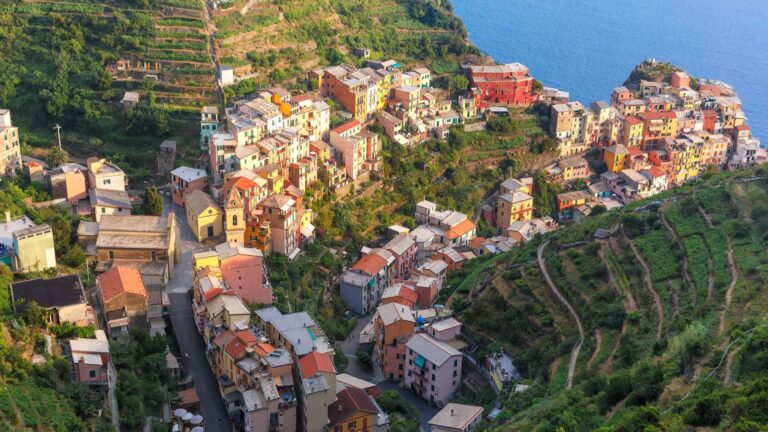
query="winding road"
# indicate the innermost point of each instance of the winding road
(577, 347)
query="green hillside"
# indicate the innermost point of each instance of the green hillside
(54, 59)
(673, 307)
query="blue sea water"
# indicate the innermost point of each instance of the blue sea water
(587, 47)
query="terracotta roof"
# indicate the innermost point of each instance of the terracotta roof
(370, 264)
(476, 243)
(460, 229)
(347, 126)
(408, 293)
(118, 280)
(657, 115)
(349, 401)
(633, 120)
(241, 183)
(241, 340)
(634, 151)
(655, 172)
(316, 362)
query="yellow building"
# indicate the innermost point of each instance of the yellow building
(258, 234)
(632, 132)
(34, 249)
(205, 259)
(353, 411)
(203, 215)
(614, 156)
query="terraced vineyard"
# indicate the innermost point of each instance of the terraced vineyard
(277, 41)
(673, 305)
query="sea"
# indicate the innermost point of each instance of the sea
(588, 47)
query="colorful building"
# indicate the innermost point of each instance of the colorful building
(10, 148)
(509, 84)
(204, 217)
(433, 368)
(614, 157)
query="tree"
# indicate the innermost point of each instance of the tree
(457, 83)
(152, 203)
(35, 315)
(56, 157)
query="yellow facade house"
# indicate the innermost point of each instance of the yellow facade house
(614, 156)
(203, 215)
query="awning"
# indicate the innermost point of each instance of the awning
(419, 361)
(308, 230)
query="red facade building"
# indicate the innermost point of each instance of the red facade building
(509, 84)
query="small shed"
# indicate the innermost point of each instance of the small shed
(130, 99)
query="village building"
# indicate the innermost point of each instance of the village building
(122, 299)
(138, 239)
(456, 418)
(109, 202)
(10, 147)
(184, 180)
(204, 217)
(433, 368)
(105, 175)
(91, 360)
(68, 181)
(62, 297)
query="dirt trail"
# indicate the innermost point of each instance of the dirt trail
(598, 346)
(630, 305)
(648, 284)
(686, 275)
(710, 274)
(706, 218)
(731, 286)
(561, 297)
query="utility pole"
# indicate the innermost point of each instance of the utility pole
(58, 133)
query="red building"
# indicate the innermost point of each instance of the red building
(509, 84)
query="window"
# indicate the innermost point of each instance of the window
(433, 377)
(92, 374)
(103, 210)
(351, 425)
(234, 219)
(455, 373)
(456, 362)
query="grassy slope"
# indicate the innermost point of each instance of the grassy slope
(635, 377)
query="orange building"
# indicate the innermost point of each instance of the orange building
(393, 325)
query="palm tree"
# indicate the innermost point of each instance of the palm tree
(56, 156)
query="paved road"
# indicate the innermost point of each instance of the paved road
(186, 332)
(356, 369)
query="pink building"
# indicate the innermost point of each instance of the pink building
(90, 359)
(445, 330)
(433, 368)
(404, 248)
(242, 269)
(184, 180)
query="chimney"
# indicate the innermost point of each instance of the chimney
(7, 217)
(451, 412)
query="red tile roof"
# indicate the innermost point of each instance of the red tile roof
(347, 126)
(632, 120)
(242, 340)
(408, 293)
(370, 264)
(349, 402)
(477, 242)
(657, 115)
(119, 280)
(316, 362)
(656, 172)
(460, 229)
